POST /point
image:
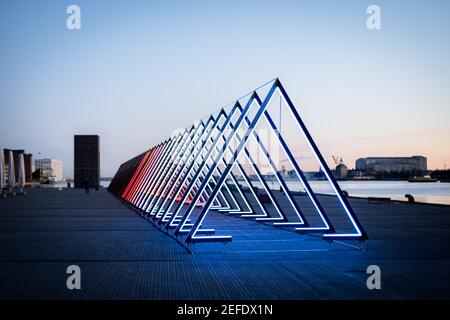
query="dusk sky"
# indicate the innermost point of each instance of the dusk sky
(137, 70)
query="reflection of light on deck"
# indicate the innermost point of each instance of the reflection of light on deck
(124, 257)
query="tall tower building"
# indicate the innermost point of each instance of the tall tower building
(87, 160)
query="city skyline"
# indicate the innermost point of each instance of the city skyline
(140, 69)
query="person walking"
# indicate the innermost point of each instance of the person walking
(86, 186)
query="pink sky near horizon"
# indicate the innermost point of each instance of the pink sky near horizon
(136, 71)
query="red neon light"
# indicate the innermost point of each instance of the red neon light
(128, 183)
(138, 181)
(148, 168)
(138, 178)
(125, 193)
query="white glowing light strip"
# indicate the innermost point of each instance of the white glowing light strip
(193, 157)
(140, 172)
(155, 170)
(238, 151)
(168, 164)
(272, 165)
(229, 209)
(228, 149)
(250, 159)
(329, 179)
(176, 161)
(232, 135)
(304, 185)
(185, 174)
(237, 211)
(216, 140)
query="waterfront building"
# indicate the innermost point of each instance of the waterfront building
(341, 171)
(392, 164)
(86, 160)
(50, 169)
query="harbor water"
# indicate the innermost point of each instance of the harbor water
(437, 192)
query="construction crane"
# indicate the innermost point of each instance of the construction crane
(341, 171)
(338, 160)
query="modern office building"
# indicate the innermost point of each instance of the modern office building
(49, 169)
(392, 164)
(87, 160)
(28, 160)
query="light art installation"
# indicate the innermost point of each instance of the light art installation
(201, 169)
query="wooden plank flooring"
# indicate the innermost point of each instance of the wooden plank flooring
(123, 256)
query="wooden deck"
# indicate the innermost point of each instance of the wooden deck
(123, 256)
